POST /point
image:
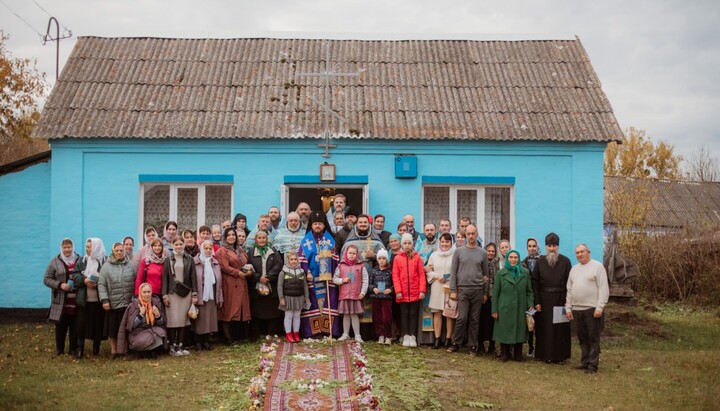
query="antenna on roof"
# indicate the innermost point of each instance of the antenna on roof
(57, 39)
(330, 72)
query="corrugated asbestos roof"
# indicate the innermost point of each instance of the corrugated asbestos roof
(672, 204)
(251, 88)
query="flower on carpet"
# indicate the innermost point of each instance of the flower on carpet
(258, 385)
(309, 357)
(363, 379)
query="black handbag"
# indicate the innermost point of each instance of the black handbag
(181, 289)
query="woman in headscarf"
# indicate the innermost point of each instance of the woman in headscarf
(241, 239)
(216, 233)
(150, 236)
(129, 244)
(169, 232)
(210, 296)
(115, 289)
(439, 275)
(236, 300)
(512, 295)
(141, 329)
(179, 291)
(151, 268)
(267, 319)
(394, 247)
(59, 278)
(91, 314)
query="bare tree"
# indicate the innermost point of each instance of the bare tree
(702, 166)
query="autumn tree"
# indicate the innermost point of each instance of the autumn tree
(21, 89)
(638, 156)
(702, 166)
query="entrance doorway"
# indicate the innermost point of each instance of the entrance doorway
(316, 195)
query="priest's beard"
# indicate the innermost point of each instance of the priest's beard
(552, 259)
(430, 239)
(363, 233)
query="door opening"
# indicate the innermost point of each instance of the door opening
(319, 197)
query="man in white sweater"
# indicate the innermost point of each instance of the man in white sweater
(587, 294)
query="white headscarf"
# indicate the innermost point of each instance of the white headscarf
(97, 254)
(73, 256)
(208, 273)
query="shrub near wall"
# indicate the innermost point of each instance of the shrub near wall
(682, 267)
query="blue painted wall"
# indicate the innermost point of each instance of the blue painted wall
(25, 218)
(558, 186)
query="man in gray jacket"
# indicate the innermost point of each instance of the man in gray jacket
(467, 286)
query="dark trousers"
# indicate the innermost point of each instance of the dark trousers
(67, 322)
(382, 317)
(409, 317)
(588, 332)
(468, 321)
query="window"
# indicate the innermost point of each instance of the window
(191, 205)
(490, 208)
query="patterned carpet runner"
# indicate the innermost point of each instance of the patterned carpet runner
(312, 376)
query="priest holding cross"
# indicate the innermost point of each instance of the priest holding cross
(319, 258)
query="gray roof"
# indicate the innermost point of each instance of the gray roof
(248, 88)
(672, 204)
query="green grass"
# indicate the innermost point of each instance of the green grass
(666, 359)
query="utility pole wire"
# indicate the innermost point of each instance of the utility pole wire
(23, 20)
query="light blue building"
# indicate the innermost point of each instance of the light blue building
(143, 130)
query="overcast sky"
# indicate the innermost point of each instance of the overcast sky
(655, 59)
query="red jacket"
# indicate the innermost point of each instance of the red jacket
(154, 277)
(408, 277)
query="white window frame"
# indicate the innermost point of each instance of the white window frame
(478, 219)
(173, 200)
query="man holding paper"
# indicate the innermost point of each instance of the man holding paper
(587, 294)
(549, 278)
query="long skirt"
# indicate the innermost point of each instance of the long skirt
(113, 318)
(91, 320)
(486, 322)
(177, 313)
(207, 319)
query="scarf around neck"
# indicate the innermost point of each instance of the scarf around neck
(151, 257)
(445, 253)
(149, 315)
(262, 250)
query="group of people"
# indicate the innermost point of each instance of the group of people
(299, 274)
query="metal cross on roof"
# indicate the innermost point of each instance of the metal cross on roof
(329, 73)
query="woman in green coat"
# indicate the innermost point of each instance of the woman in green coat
(512, 295)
